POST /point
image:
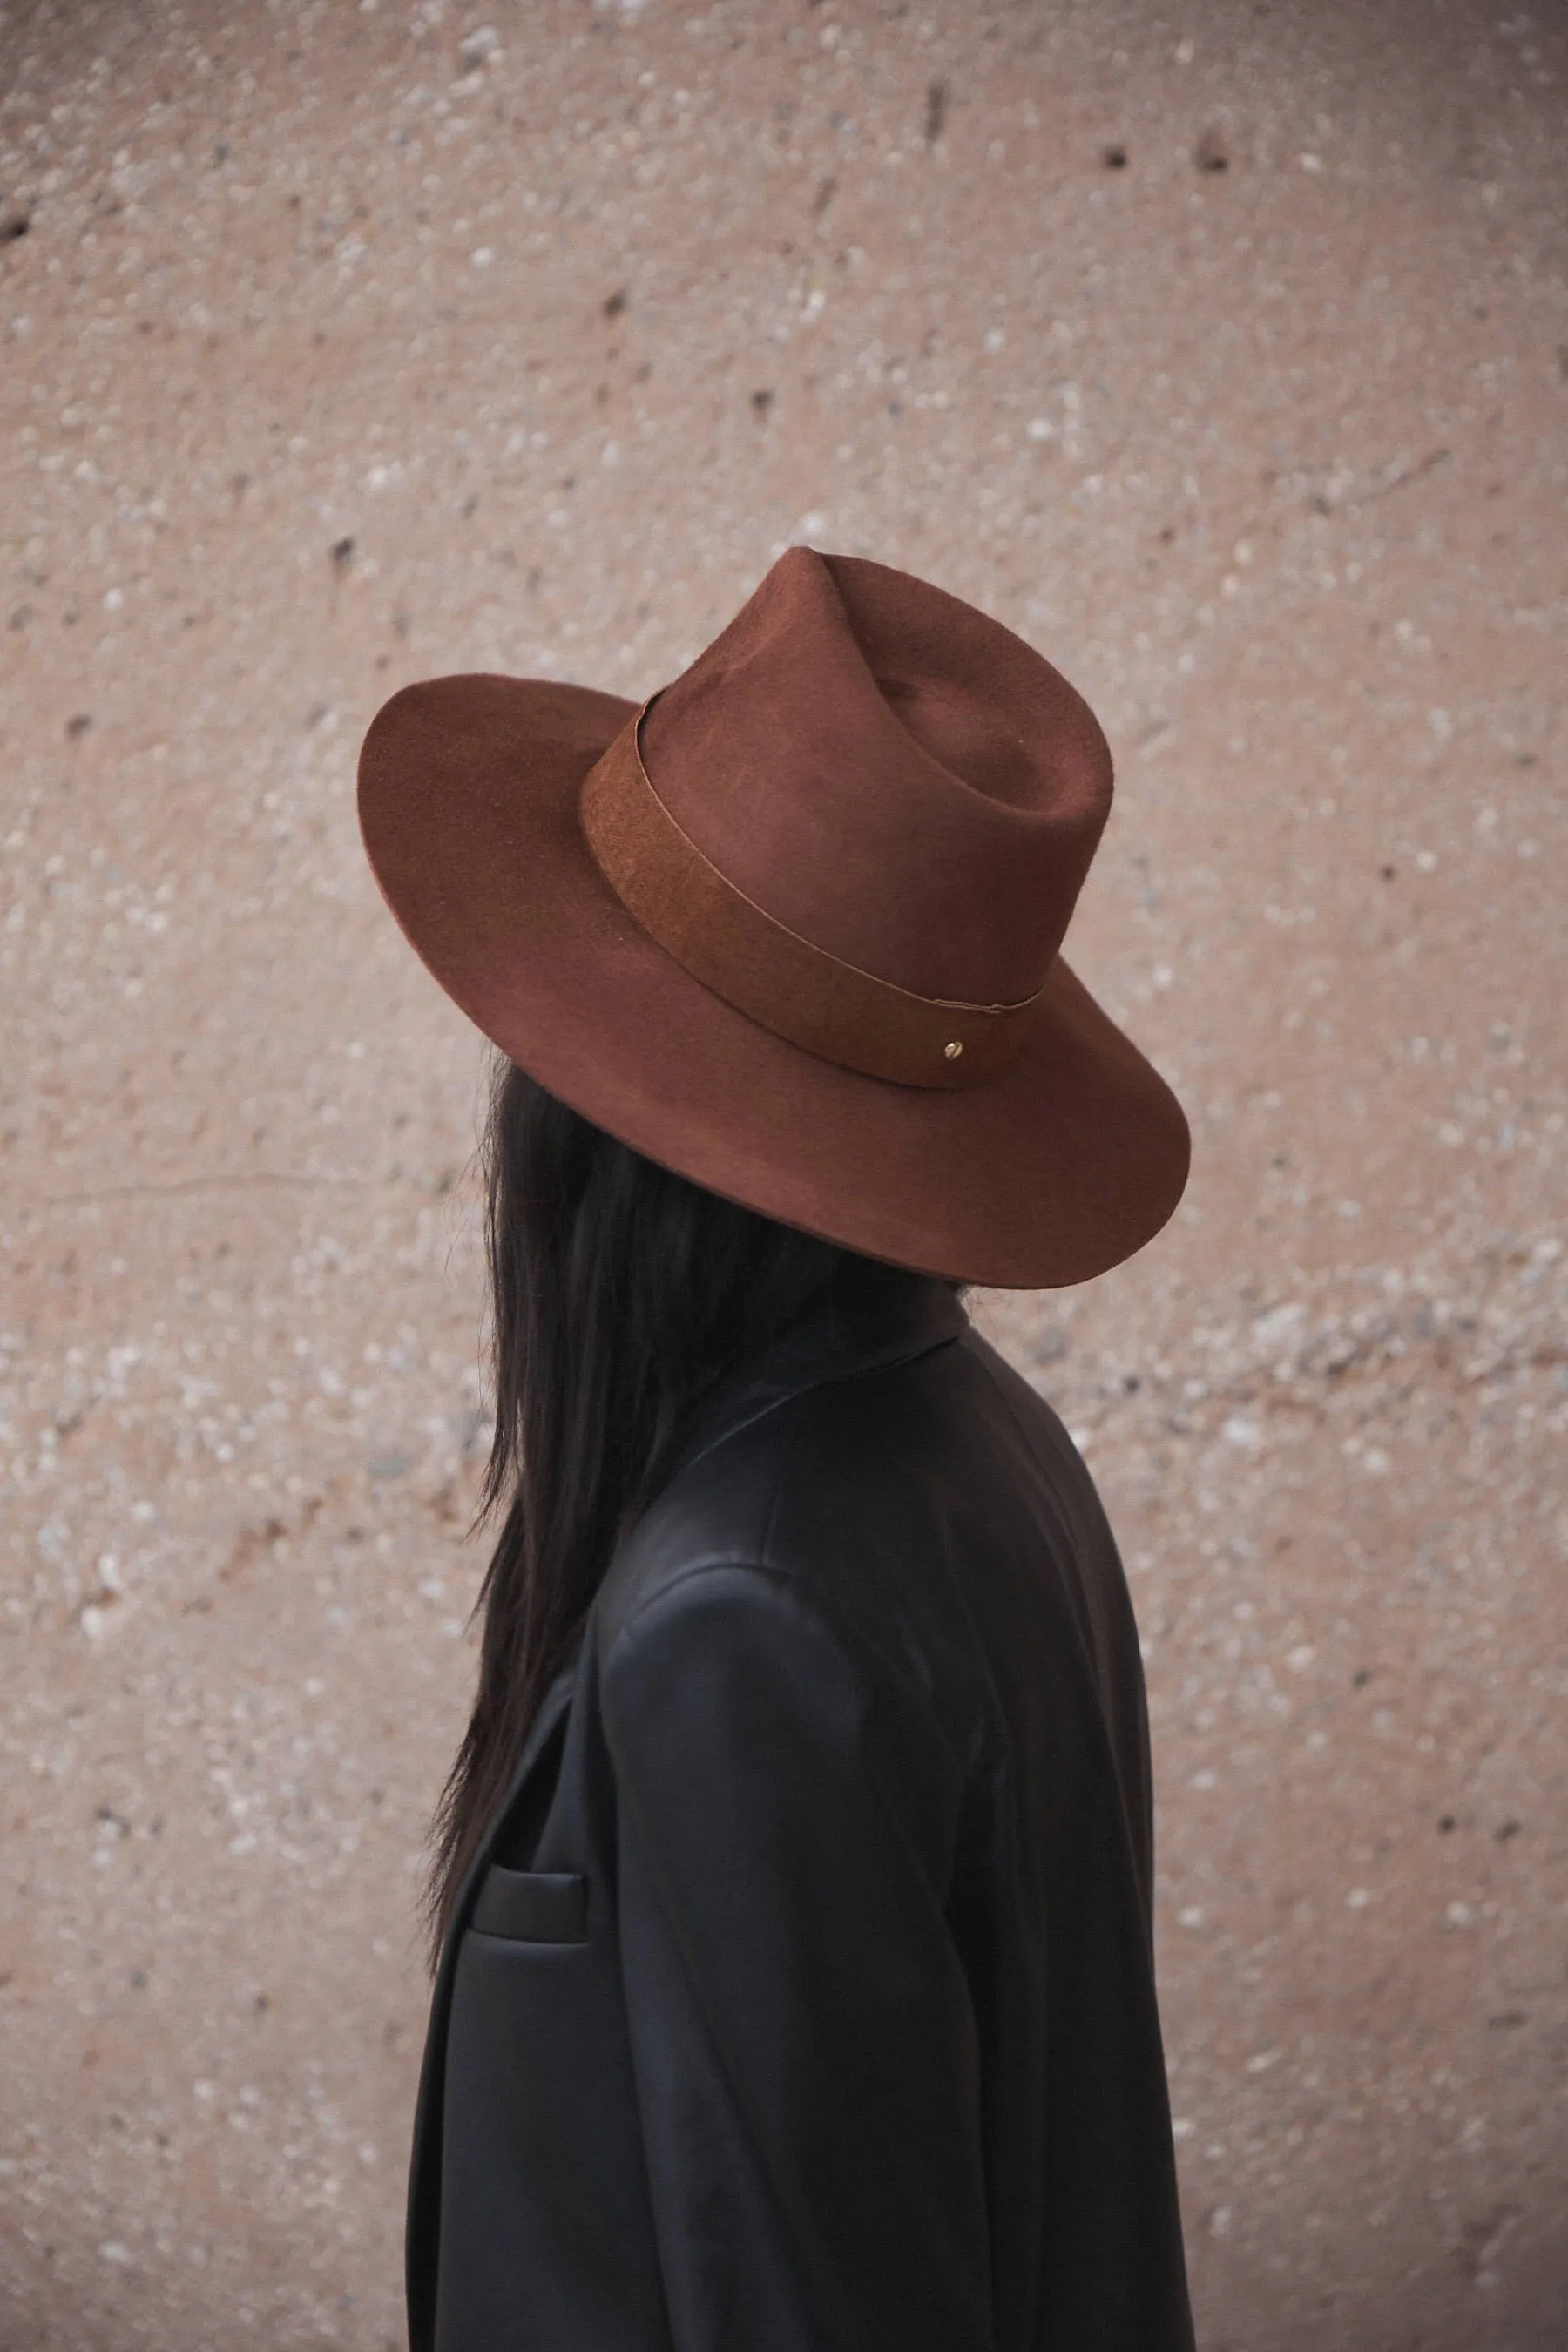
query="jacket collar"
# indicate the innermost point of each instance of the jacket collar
(854, 1327)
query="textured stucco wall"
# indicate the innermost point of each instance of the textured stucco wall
(341, 347)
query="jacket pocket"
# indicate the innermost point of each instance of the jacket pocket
(532, 1906)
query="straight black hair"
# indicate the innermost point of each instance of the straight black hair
(619, 1292)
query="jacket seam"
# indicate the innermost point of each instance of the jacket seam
(852, 1644)
(711, 1567)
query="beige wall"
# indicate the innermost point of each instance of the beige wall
(557, 345)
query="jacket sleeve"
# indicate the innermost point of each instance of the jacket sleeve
(803, 2037)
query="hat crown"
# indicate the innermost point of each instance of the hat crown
(889, 773)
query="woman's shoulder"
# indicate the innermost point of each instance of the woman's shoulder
(861, 1492)
(720, 1510)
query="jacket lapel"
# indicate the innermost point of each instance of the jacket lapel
(424, 2175)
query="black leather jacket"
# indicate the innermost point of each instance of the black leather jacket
(802, 1998)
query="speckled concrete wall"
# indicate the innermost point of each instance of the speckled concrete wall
(1223, 351)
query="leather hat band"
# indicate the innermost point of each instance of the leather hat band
(762, 968)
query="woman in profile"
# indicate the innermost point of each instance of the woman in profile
(791, 1902)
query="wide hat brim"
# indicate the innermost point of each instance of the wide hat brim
(1055, 1169)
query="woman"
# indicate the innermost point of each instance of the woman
(791, 1894)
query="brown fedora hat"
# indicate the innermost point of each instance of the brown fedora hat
(792, 927)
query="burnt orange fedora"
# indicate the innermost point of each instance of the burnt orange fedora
(793, 926)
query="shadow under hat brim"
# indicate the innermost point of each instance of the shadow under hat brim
(1054, 1169)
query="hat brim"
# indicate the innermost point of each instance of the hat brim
(1052, 1170)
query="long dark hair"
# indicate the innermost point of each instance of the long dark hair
(619, 1292)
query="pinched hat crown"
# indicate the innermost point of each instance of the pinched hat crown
(863, 816)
